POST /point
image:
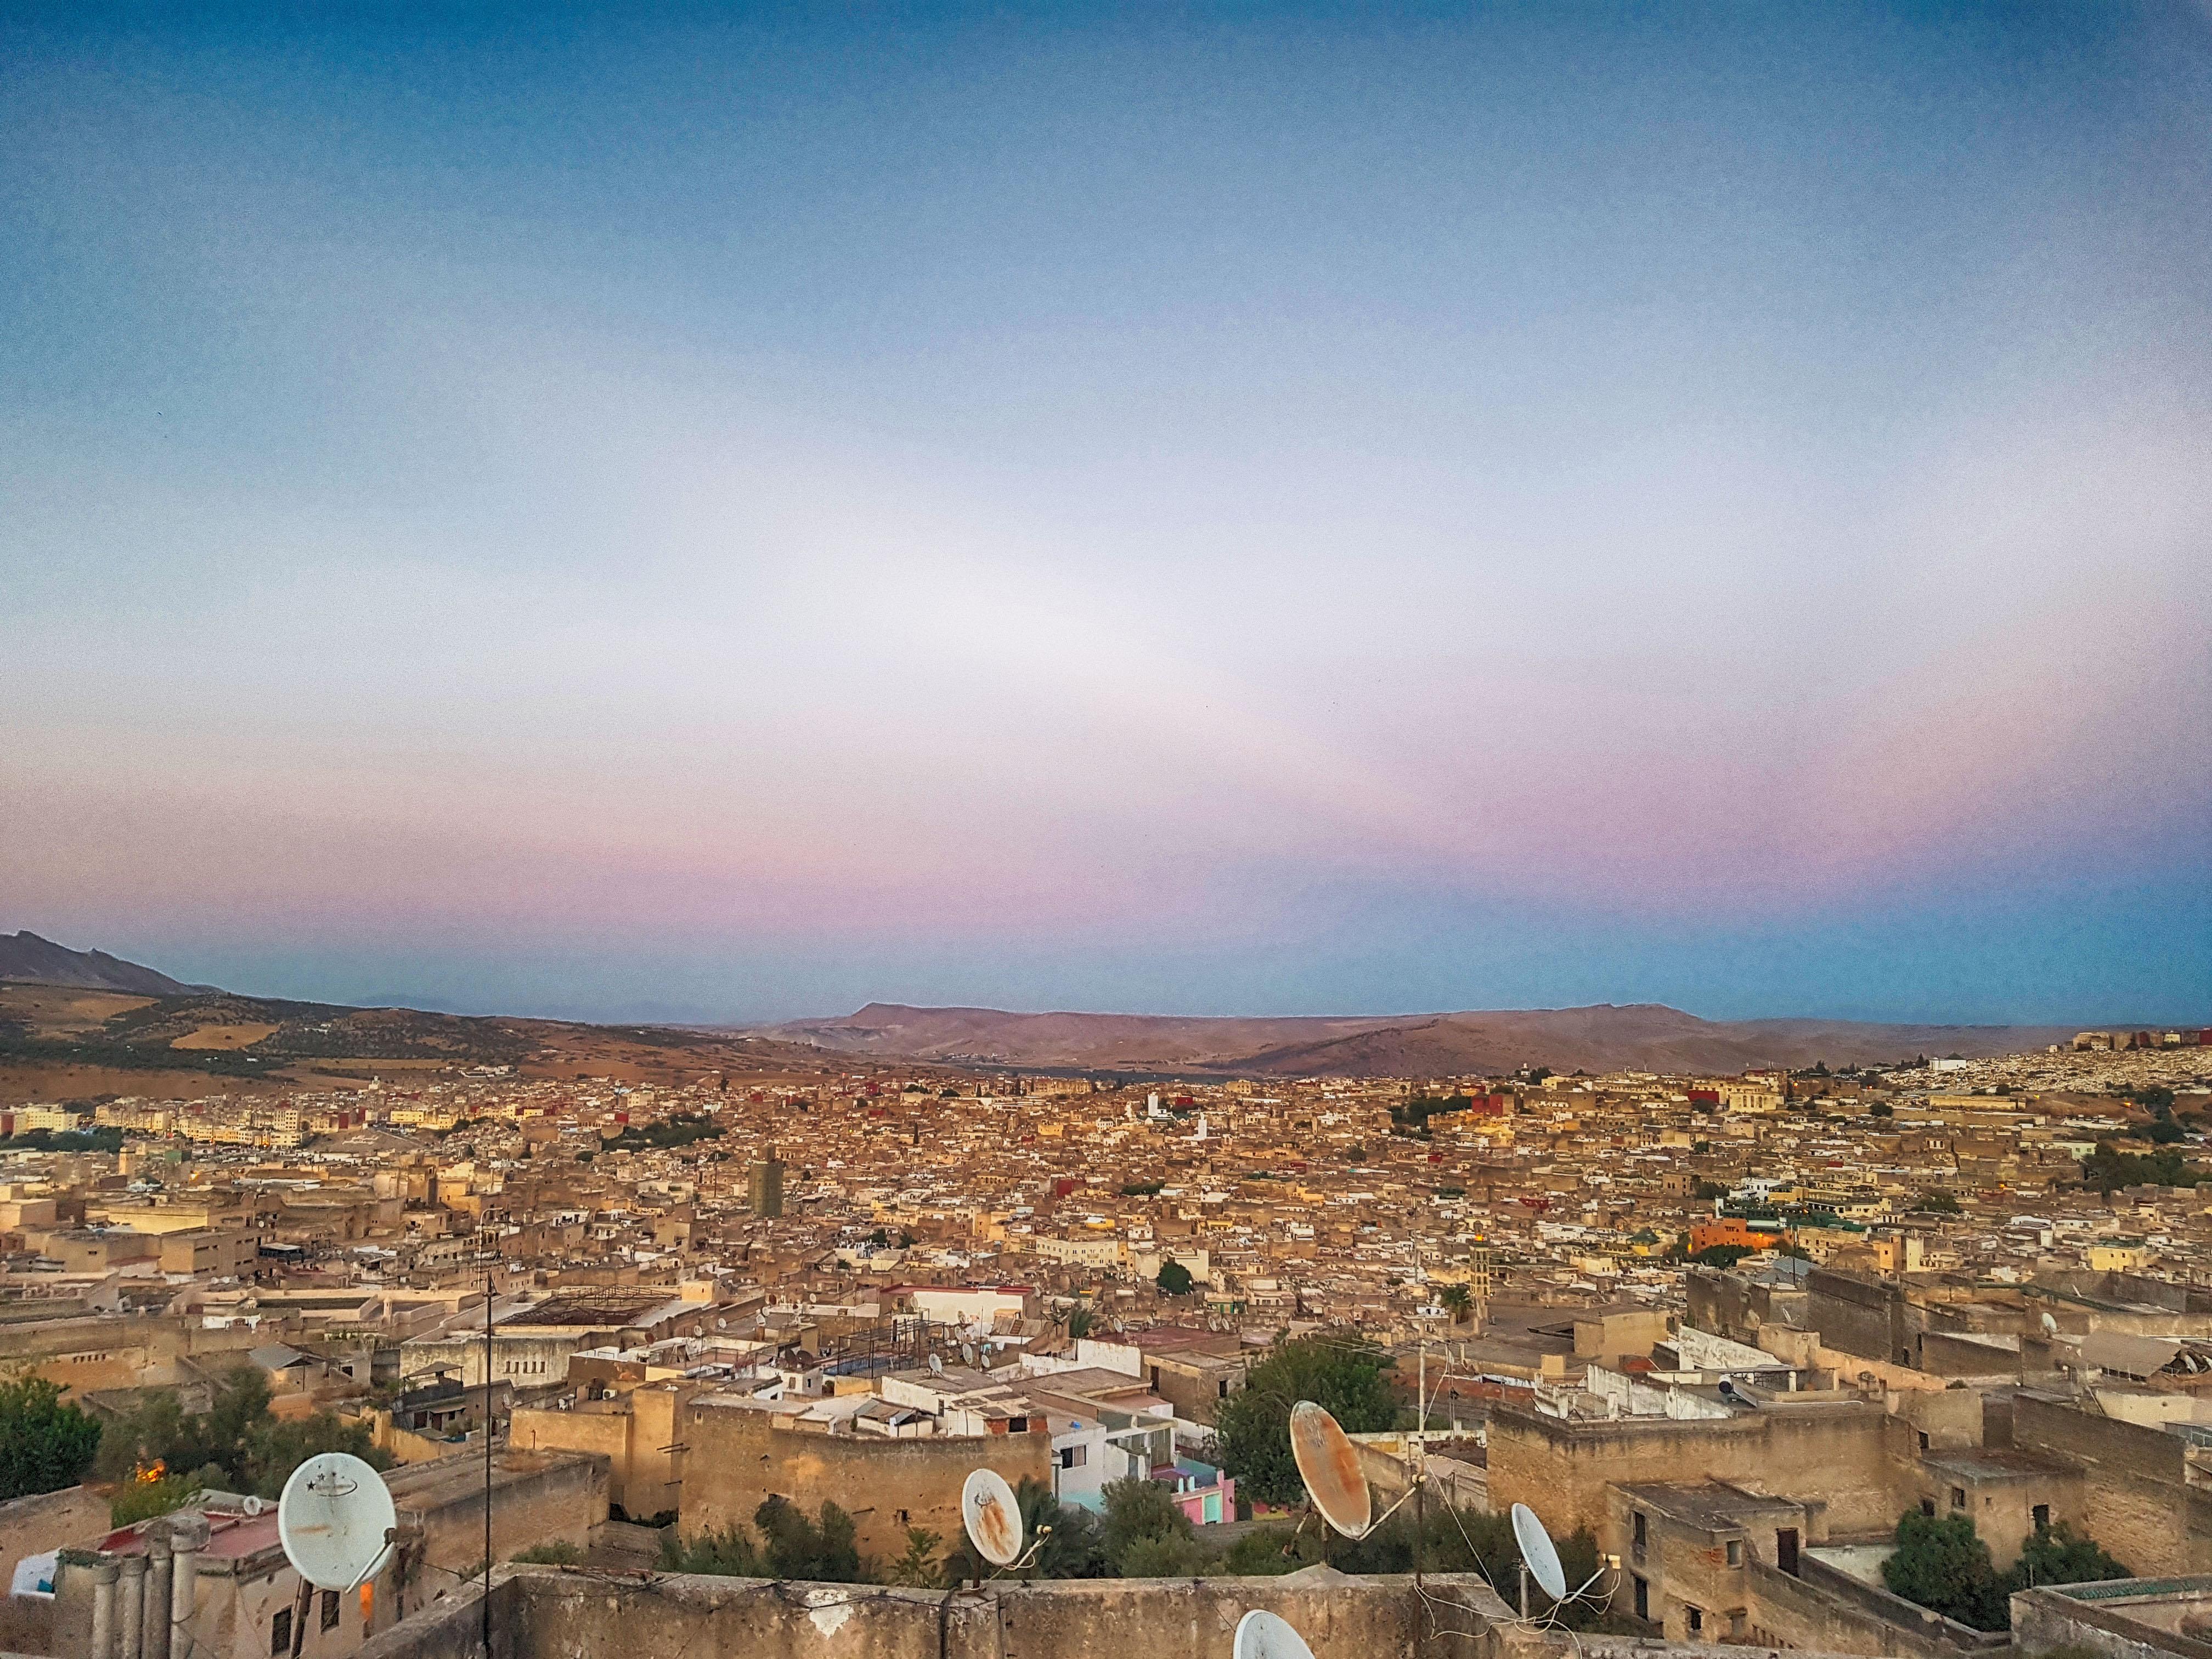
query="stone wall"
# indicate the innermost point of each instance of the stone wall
(737, 1457)
(1836, 1456)
(542, 1612)
(1828, 1609)
(2044, 1621)
(32, 1526)
(537, 1498)
(2136, 1500)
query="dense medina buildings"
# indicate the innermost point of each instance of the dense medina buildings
(1731, 1326)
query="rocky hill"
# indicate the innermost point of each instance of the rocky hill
(26, 958)
(1645, 1036)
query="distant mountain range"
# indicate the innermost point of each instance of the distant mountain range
(1644, 1036)
(25, 956)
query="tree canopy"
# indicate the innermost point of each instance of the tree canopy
(1341, 1373)
(236, 1444)
(1174, 1278)
(1944, 1566)
(45, 1444)
(1941, 1564)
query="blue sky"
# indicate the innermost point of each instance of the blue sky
(658, 512)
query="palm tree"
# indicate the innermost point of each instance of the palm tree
(1460, 1302)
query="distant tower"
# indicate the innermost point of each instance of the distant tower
(764, 1182)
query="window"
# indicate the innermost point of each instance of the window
(1785, 1548)
(329, 1610)
(1225, 1387)
(1695, 1619)
(1643, 1600)
(1928, 1506)
(1074, 1457)
(1958, 1498)
(1923, 1440)
(1735, 1552)
(280, 1632)
(1640, 1532)
(2041, 1514)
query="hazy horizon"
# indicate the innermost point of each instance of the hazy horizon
(668, 517)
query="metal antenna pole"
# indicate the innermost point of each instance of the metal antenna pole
(488, 1437)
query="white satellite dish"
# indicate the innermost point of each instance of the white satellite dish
(966, 1354)
(1262, 1635)
(992, 1516)
(936, 1365)
(1329, 1465)
(2050, 1325)
(1538, 1551)
(333, 1520)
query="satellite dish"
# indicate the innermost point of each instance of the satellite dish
(333, 1520)
(936, 1365)
(992, 1516)
(2050, 1325)
(1329, 1465)
(1537, 1550)
(1262, 1634)
(966, 1354)
(253, 1506)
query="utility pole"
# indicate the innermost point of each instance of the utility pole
(487, 1439)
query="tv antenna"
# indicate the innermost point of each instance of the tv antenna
(335, 1522)
(992, 1518)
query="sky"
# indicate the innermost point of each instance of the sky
(730, 513)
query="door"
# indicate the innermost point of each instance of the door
(1786, 1549)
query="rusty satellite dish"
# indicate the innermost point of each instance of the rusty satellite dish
(1262, 1634)
(1329, 1465)
(992, 1516)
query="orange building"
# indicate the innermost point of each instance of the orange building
(1734, 1230)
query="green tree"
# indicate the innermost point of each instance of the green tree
(141, 1500)
(1937, 1201)
(1881, 1109)
(1263, 1552)
(919, 1568)
(729, 1553)
(236, 1444)
(1705, 1191)
(1342, 1372)
(1720, 1256)
(1142, 1512)
(2163, 1131)
(1942, 1564)
(2057, 1555)
(824, 1549)
(558, 1553)
(1174, 1278)
(273, 1449)
(2107, 1168)
(1459, 1302)
(1079, 1322)
(45, 1445)
(1164, 1558)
